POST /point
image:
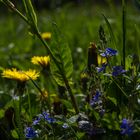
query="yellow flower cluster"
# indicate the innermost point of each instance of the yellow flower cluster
(41, 60)
(21, 76)
(46, 35)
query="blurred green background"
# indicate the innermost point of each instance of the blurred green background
(79, 21)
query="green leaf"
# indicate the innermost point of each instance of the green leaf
(113, 100)
(14, 134)
(110, 31)
(62, 53)
(31, 15)
(1, 113)
(80, 135)
(67, 104)
(4, 99)
(73, 119)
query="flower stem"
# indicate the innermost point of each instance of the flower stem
(37, 33)
(124, 30)
(29, 103)
(119, 87)
(62, 73)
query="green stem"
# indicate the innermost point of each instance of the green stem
(119, 87)
(29, 103)
(36, 31)
(17, 105)
(13, 8)
(18, 119)
(124, 30)
(62, 73)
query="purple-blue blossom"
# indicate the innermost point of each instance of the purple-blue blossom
(117, 70)
(37, 119)
(126, 127)
(44, 117)
(65, 125)
(30, 133)
(109, 52)
(48, 118)
(100, 69)
(95, 98)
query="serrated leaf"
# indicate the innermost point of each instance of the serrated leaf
(62, 53)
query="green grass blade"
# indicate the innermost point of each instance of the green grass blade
(110, 31)
(124, 30)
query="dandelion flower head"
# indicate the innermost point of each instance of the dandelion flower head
(21, 76)
(46, 35)
(41, 60)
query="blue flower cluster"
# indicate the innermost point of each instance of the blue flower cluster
(126, 127)
(44, 116)
(30, 133)
(116, 70)
(102, 68)
(97, 103)
(109, 52)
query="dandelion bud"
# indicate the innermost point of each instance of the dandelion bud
(92, 56)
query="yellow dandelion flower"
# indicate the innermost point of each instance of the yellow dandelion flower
(21, 76)
(101, 60)
(41, 60)
(46, 35)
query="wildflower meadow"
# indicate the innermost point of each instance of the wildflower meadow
(70, 70)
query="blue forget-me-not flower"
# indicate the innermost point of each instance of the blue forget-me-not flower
(109, 52)
(30, 133)
(100, 69)
(126, 127)
(117, 70)
(44, 116)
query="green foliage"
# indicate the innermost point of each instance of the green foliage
(62, 53)
(1, 113)
(14, 134)
(110, 31)
(104, 99)
(4, 98)
(31, 15)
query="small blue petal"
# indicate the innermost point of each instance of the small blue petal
(97, 95)
(126, 127)
(65, 125)
(109, 52)
(102, 68)
(117, 70)
(30, 133)
(50, 120)
(95, 99)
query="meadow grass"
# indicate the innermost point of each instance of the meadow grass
(80, 26)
